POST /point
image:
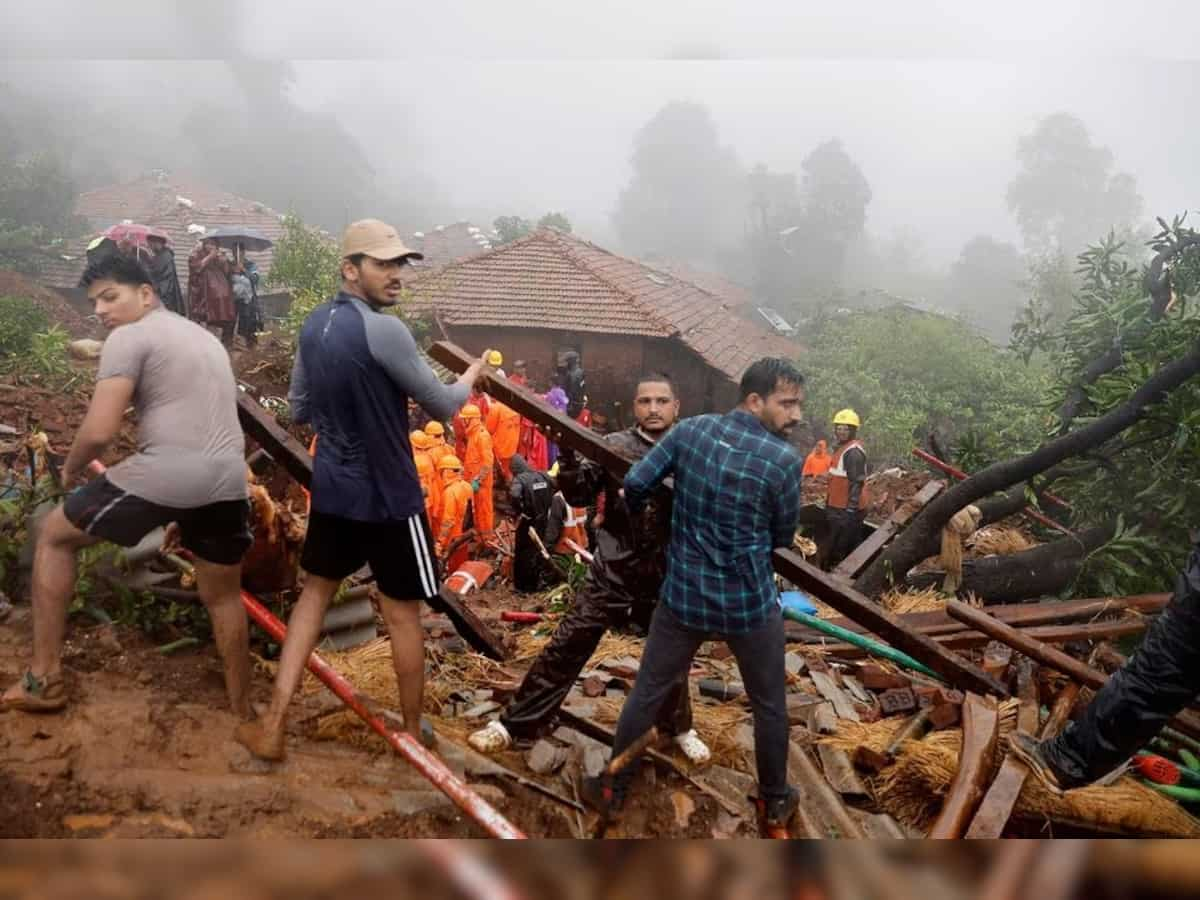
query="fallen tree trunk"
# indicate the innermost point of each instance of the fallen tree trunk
(905, 552)
(1042, 570)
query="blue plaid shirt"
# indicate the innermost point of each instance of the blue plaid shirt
(737, 496)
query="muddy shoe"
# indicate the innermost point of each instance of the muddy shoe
(492, 738)
(1028, 750)
(693, 748)
(33, 694)
(779, 810)
(255, 738)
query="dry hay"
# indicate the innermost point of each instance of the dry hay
(912, 789)
(717, 725)
(999, 540)
(902, 600)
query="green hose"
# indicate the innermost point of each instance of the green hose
(1182, 794)
(1190, 759)
(861, 641)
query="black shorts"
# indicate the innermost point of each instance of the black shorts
(216, 532)
(400, 554)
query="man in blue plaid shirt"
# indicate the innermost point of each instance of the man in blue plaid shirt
(737, 497)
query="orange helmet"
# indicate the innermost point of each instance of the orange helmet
(450, 461)
(470, 411)
(420, 440)
(435, 429)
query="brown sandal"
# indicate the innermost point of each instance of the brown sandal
(48, 694)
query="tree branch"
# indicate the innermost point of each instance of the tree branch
(905, 551)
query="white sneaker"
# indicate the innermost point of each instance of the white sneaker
(493, 738)
(693, 748)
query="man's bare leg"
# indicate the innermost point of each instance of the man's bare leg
(264, 736)
(54, 573)
(220, 591)
(403, 618)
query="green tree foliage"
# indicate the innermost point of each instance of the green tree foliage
(1067, 192)
(1148, 478)
(686, 197)
(307, 264)
(987, 285)
(510, 228)
(37, 200)
(20, 320)
(555, 220)
(907, 372)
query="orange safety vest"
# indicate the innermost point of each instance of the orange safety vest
(456, 498)
(504, 425)
(574, 529)
(480, 458)
(839, 484)
(431, 486)
(438, 450)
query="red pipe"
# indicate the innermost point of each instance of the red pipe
(403, 743)
(962, 476)
(524, 618)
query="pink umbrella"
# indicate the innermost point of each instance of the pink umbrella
(135, 234)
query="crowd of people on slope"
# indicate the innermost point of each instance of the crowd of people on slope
(693, 562)
(222, 289)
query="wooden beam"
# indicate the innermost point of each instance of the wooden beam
(791, 565)
(820, 800)
(1060, 713)
(1187, 721)
(1001, 797)
(1049, 634)
(272, 437)
(862, 555)
(981, 730)
(957, 671)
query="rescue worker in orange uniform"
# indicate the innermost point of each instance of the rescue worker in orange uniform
(479, 465)
(427, 473)
(504, 425)
(846, 502)
(456, 500)
(817, 462)
(437, 432)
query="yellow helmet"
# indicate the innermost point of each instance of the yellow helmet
(847, 417)
(470, 411)
(450, 461)
(494, 358)
(420, 440)
(435, 428)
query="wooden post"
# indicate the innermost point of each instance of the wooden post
(981, 729)
(1002, 796)
(862, 555)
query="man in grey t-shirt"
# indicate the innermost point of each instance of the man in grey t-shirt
(188, 470)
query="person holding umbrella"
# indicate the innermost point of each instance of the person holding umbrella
(161, 266)
(210, 291)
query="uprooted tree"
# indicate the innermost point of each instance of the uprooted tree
(1123, 443)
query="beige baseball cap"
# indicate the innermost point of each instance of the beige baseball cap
(376, 239)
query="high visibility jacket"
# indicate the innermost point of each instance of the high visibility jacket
(456, 500)
(839, 482)
(438, 450)
(817, 462)
(480, 459)
(504, 425)
(431, 486)
(574, 528)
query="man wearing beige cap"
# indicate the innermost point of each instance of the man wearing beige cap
(356, 369)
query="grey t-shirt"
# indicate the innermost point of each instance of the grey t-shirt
(190, 444)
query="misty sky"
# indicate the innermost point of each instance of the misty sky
(531, 106)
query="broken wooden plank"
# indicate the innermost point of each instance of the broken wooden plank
(274, 438)
(820, 800)
(1019, 615)
(958, 671)
(981, 730)
(1187, 721)
(1001, 798)
(789, 564)
(862, 555)
(1060, 713)
(1048, 634)
(821, 718)
(839, 772)
(827, 688)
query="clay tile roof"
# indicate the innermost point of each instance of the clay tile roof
(558, 281)
(450, 243)
(152, 201)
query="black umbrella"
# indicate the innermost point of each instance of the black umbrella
(231, 237)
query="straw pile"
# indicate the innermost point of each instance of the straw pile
(717, 724)
(998, 540)
(913, 788)
(901, 600)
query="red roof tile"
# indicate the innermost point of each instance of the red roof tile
(449, 243)
(558, 281)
